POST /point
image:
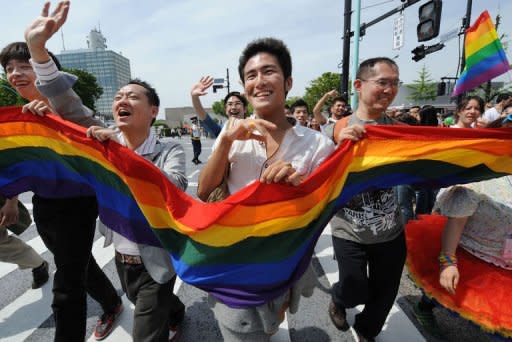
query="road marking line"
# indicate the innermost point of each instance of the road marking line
(398, 327)
(193, 174)
(283, 334)
(36, 243)
(23, 316)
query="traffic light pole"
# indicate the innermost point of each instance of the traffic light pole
(362, 31)
(355, 59)
(467, 23)
(465, 26)
(346, 48)
(227, 78)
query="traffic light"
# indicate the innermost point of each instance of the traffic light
(441, 89)
(217, 86)
(418, 52)
(430, 20)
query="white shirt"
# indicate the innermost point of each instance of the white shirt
(196, 132)
(491, 114)
(122, 244)
(303, 147)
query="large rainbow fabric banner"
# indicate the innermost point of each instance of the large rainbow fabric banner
(254, 245)
(485, 57)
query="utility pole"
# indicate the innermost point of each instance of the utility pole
(355, 58)
(346, 48)
(362, 29)
(465, 25)
(227, 78)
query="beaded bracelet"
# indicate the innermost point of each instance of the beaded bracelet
(446, 260)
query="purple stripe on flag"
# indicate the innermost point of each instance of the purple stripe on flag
(481, 72)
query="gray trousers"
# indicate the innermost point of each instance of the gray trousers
(13, 250)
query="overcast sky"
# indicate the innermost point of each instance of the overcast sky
(171, 43)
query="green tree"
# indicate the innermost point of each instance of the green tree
(488, 91)
(164, 130)
(290, 100)
(9, 96)
(218, 108)
(321, 85)
(423, 88)
(86, 87)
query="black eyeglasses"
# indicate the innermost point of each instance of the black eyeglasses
(384, 83)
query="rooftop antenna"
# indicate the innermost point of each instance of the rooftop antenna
(62, 37)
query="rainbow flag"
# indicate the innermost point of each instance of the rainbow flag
(254, 245)
(485, 57)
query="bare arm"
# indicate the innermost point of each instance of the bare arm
(449, 275)
(43, 28)
(199, 89)
(452, 233)
(9, 212)
(215, 169)
(317, 110)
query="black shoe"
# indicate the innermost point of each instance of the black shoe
(40, 275)
(427, 320)
(360, 338)
(338, 317)
(198, 161)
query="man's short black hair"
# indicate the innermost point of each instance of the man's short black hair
(236, 94)
(272, 46)
(503, 96)
(151, 94)
(365, 68)
(299, 103)
(339, 99)
(428, 116)
(407, 119)
(19, 51)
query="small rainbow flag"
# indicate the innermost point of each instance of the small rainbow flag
(253, 246)
(485, 57)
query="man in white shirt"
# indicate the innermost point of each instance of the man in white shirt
(269, 148)
(502, 101)
(195, 135)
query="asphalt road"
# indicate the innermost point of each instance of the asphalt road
(25, 314)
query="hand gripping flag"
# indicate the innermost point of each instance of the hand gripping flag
(251, 247)
(485, 57)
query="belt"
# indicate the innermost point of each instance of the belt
(128, 259)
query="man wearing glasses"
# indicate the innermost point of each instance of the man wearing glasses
(367, 232)
(235, 105)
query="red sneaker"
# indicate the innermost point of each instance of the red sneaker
(105, 324)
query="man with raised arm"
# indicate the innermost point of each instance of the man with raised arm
(235, 105)
(145, 272)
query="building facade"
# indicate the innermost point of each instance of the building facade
(112, 70)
